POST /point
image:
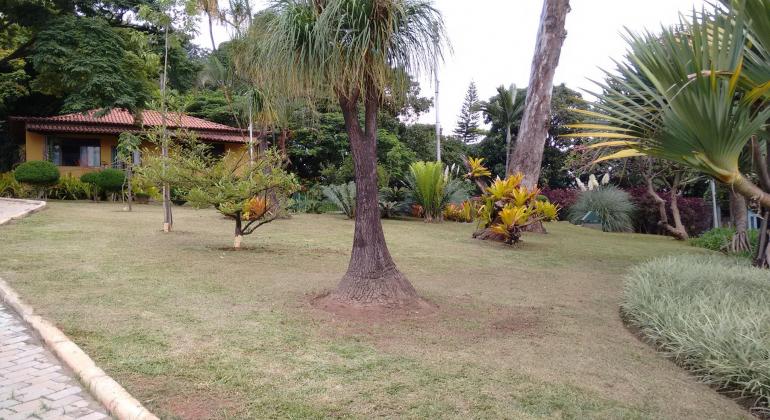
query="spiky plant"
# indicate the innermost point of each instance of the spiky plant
(355, 51)
(432, 187)
(343, 196)
(610, 204)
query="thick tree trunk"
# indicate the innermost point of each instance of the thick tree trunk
(372, 277)
(527, 157)
(739, 213)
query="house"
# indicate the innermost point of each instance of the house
(80, 143)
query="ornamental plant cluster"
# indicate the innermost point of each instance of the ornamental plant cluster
(508, 207)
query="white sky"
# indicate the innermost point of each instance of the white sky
(493, 42)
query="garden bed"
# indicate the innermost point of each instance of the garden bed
(709, 314)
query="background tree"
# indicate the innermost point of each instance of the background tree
(348, 50)
(528, 154)
(505, 111)
(467, 128)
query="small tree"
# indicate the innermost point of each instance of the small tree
(250, 194)
(40, 174)
(467, 128)
(128, 146)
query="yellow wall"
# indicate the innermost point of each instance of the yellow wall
(35, 145)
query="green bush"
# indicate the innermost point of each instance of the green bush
(432, 186)
(718, 239)
(709, 314)
(70, 188)
(40, 173)
(110, 180)
(343, 196)
(90, 178)
(610, 204)
(9, 186)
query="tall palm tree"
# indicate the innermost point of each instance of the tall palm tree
(350, 50)
(211, 9)
(505, 110)
(695, 94)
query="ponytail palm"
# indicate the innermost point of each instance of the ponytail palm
(683, 96)
(354, 51)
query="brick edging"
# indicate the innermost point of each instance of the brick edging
(39, 206)
(109, 393)
(106, 390)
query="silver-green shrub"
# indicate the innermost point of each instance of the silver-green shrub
(612, 205)
(710, 314)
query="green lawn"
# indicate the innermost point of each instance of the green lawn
(197, 332)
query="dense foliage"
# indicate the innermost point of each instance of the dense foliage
(718, 239)
(343, 196)
(710, 315)
(37, 173)
(694, 211)
(432, 186)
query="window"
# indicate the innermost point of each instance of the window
(73, 152)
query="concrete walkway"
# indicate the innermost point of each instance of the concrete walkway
(33, 384)
(13, 209)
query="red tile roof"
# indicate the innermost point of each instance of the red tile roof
(118, 120)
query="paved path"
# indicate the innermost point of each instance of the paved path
(10, 208)
(33, 384)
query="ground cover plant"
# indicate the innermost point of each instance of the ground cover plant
(196, 332)
(708, 313)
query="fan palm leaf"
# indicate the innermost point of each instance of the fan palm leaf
(678, 97)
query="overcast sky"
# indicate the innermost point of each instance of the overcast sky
(493, 42)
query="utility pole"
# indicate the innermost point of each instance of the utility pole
(435, 102)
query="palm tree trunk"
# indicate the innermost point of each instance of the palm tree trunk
(167, 216)
(372, 277)
(508, 150)
(527, 157)
(211, 32)
(740, 214)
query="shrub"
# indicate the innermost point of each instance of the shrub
(718, 239)
(565, 198)
(70, 188)
(464, 212)
(694, 211)
(610, 204)
(432, 186)
(709, 314)
(343, 196)
(9, 186)
(110, 180)
(40, 174)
